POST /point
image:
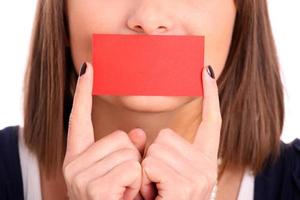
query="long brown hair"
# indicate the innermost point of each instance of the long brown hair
(250, 89)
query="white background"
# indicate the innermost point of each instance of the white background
(16, 17)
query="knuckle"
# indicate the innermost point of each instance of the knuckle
(79, 183)
(219, 119)
(203, 183)
(213, 177)
(164, 133)
(145, 162)
(94, 191)
(133, 165)
(64, 165)
(153, 149)
(215, 118)
(186, 189)
(131, 154)
(67, 172)
(122, 136)
(206, 181)
(136, 169)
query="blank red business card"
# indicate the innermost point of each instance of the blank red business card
(151, 65)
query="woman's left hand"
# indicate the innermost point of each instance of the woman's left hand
(180, 169)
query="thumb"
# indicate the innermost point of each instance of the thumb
(138, 138)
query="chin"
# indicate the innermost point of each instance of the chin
(149, 103)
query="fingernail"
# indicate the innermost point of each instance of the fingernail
(82, 69)
(210, 71)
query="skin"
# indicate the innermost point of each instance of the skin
(94, 169)
(103, 142)
(213, 19)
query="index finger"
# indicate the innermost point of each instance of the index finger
(208, 134)
(80, 131)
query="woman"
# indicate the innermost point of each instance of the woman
(77, 146)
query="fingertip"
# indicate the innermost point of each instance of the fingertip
(85, 78)
(86, 70)
(90, 66)
(211, 104)
(138, 138)
(210, 71)
(82, 69)
(137, 134)
(208, 75)
(209, 80)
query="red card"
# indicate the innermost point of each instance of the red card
(152, 65)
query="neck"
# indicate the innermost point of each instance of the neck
(184, 120)
(230, 182)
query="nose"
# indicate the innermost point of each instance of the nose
(149, 18)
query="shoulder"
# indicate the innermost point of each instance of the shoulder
(8, 135)
(281, 179)
(10, 169)
(8, 143)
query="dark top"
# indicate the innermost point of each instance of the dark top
(279, 181)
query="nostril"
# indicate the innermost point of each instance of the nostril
(138, 27)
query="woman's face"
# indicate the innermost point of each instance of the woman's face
(212, 18)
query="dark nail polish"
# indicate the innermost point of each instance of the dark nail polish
(210, 71)
(82, 69)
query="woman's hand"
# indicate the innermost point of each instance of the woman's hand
(106, 169)
(182, 170)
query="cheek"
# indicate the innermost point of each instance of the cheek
(218, 37)
(211, 19)
(88, 17)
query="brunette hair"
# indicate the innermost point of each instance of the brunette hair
(250, 89)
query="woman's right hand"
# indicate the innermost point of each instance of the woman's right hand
(105, 169)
